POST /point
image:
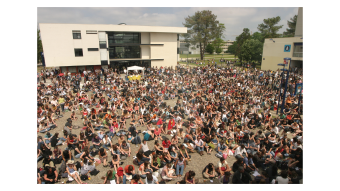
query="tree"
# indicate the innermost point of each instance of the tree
(257, 36)
(210, 48)
(217, 44)
(218, 50)
(268, 28)
(202, 27)
(245, 35)
(290, 32)
(251, 50)
(232, 48)
(40, 48)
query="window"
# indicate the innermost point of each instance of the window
(92, 49)
(124, 52)
(78, 52)
(76, 34)
(120, 38)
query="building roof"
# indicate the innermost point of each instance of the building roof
(122, 28)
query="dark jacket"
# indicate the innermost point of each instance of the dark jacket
(237, 179)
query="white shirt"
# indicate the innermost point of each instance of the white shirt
(154, 180)
(281, 180)
(238, 151)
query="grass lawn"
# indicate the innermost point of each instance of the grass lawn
(225, 55)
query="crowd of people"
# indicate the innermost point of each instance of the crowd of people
(223, 112)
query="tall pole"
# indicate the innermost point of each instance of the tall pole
(286, 84)
(278, 103)
(299, 103)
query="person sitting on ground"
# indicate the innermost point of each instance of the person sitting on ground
(110, 177)
(136, 179)
(50, 174)
(103, 157)
(225, 179)
(209, 171)
(125, 149)
(72, 172)
(240, 152)
(222, 167)
(241, 177)
(167, 172)
(144, 147)
(151, 179)
(129, 171)
(115, 161)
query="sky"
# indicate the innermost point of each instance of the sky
(234, 18)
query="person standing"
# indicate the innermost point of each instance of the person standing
(61, 102)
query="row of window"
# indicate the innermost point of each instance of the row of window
(79, 51)
(115, 52)
(77, 34)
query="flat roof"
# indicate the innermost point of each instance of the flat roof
(119, 28)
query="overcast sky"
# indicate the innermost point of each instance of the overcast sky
(234, 18)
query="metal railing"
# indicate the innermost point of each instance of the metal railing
(298, 54)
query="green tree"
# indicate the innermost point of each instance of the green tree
(210, 48)
(257, 36)
(290, 32)
(217, 44)
(202, 27)
(218, 50)
(40, 48)
(245, 35)
(251, 50)
(232, 48)
(269, 29)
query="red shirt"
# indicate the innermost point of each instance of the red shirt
(166, 144)
(171, 124)
(85, 113)
(126, 168)
(159, 122)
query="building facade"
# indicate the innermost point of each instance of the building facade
(184, 47)
(276, 49)
(74, 47)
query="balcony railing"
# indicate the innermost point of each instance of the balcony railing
(298, 54)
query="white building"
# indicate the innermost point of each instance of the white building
(184, 47)
(74, 47)
(276, 49)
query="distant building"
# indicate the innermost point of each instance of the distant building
(196, 50)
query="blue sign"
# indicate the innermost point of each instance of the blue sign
(287, 48)
(298, 88)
